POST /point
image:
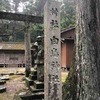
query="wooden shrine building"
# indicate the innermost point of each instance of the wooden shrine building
(12, 54)
(67, 45)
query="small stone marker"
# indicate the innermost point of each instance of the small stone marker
(2, 89)
(2, 82)
(52, 70)
(5, 77)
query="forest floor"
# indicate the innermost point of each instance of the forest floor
(16, 83)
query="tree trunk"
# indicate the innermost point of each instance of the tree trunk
(87, 51)
(87, 54)
(70, 85)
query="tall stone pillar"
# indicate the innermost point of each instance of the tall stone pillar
(52, 44)
(27, 51)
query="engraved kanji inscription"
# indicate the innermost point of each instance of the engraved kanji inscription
(54, 11)
(55, 64)
(54, 24)
(54, 52)
(54, 40)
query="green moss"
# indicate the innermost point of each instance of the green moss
(70, 85)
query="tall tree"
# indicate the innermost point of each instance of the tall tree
(29, 8)
(5, 5)
(35, 8)
(40, 6)
(15, 5)
(87, 51)
(68, 14)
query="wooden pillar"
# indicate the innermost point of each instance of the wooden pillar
(27, 51)
(52, 42)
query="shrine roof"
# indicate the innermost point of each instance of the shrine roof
(12, 46)
(67, 30)
(68, 34)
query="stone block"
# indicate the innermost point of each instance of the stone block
(5, 77)
(35, 96)
(20, 73)
(2, 89)
(34, 90)
(29, 82)
(34, 72)
(38, 85)
(2, 82)
(33, 77)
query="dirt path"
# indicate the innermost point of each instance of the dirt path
(14, 85)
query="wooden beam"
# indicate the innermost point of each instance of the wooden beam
(21, 17)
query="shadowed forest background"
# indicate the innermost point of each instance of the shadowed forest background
(15, 29)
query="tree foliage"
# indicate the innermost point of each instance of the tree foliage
(5, 5)
(36, 8)
(68, 14)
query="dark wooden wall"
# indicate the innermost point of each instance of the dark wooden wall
(67, 47)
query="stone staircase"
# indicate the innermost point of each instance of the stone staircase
(35, 86)
(2, 87)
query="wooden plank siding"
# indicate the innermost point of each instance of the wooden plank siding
(12, 58)
(12, 54)
(63, 53)
(67, 46)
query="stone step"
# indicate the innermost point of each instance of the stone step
(33, 77)
(38, 84)
(34, 72)
(35, 96)
(2, 89)
(2, 82)
(28, 81)
(34, 90)
(20, 73)
(5, 77)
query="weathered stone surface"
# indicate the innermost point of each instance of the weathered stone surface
(38, 84)
(2, 82)
(5, 77)
(34, 90)
(34, 72)
(29, 82)
(20, 73)
(35, 96)
(11, 73)
(22, 93)
(40, 72)
(52, 71)
(33, 77)
(40, 59)
(2, 89)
